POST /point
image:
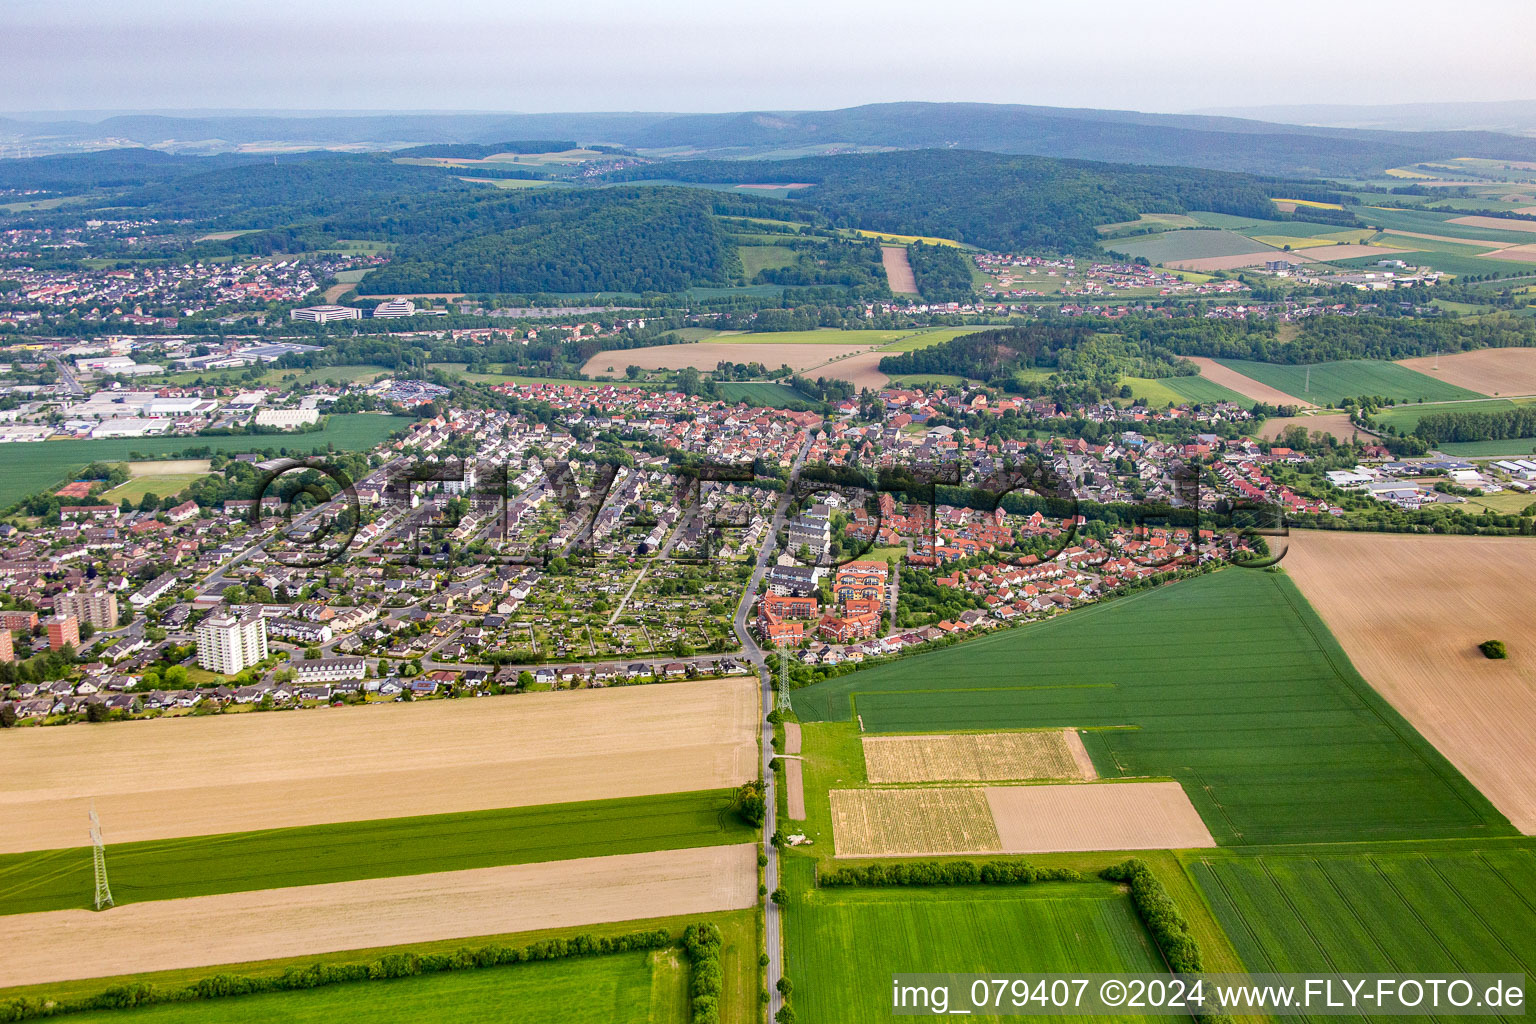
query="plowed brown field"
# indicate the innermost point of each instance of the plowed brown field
(1505, 371)
(266, 924)
(1410, 612)
(233, 773)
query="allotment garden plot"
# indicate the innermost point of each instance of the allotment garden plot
(1228, 683)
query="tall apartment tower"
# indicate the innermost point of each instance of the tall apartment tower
(98, 606)
(63, 631)
(227, 644)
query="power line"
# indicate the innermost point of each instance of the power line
(103, 896)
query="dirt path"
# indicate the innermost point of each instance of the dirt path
(1210, 369)
(232, 773)
(898, 269)
(239, 927)
(1410, 612)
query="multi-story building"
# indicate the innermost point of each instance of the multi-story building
(63, 631)
(7, 649)
(330, 670)
(97, 606)
(395, 307)
(325, 314)
(228, 644)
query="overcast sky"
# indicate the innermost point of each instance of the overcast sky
(709, 55)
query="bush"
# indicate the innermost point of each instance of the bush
(1493, 649)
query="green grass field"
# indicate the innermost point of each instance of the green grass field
(343, 374)
(28, 468)
(923, 339)
(1424, 222)
(203, 865)
(1179, 390)
(756, 258)
(1229, 683)
(1406, 417)
(924, 380)
(1388, 908)
(844, 944)
(617, 988)
(164, 485)
(761, 393)
(1520, 447)
(830, 336)
(1187, 245)
(1331, 383)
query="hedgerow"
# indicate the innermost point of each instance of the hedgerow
(933, 872)
(390, 965)
(702, 944)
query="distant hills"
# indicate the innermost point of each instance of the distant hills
(1510, 117)
(1200, 140)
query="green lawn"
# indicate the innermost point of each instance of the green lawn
(830, 336)
(1387, 908)
(1520, 447)
(1229, 683)
(587, 990)
(1180, 390)
(844, 944)
(203, 865)
(924, 380)
(1331, 383)
(164, 485)
(344, 374)
(28, 468)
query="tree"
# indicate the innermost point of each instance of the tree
(95, 711)
(525, 679)
(7, 716)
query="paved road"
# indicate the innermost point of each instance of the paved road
(67, 377)
(754, 653)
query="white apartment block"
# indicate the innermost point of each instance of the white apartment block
(330, 670)
(227, 645)
(395, 307)
(325, 314)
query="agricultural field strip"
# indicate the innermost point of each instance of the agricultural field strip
(280, 858)
(1335, 381)
(1015, 819)
(232, 928)
(1505, 371)
(975, 757)
(240, 773)
(1274, 736)
(1404, 611)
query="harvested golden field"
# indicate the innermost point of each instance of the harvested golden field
(977, 757)
(1410, 612)
(265, 924)
(706, 355)
(862, 370)
(1107, 816)
(201, 776)
(1495, 223)
(1336, 423)
(1210, 369)
(794, 788)
(1488, 371)
(911, 822)
(898, 270)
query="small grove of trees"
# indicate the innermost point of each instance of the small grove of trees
(750, 802)
(701, 942)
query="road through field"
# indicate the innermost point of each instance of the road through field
(269, 923)
(233, 773)
(1410, 612)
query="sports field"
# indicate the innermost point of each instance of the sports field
(164, 485)
(28, 468)
(1376, 908)
(1331, 383)
(1490, 371)
(843, 944)
(1410, 611)
(1228, 683)
(262, 924)
(166, 869)
(238, 773)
